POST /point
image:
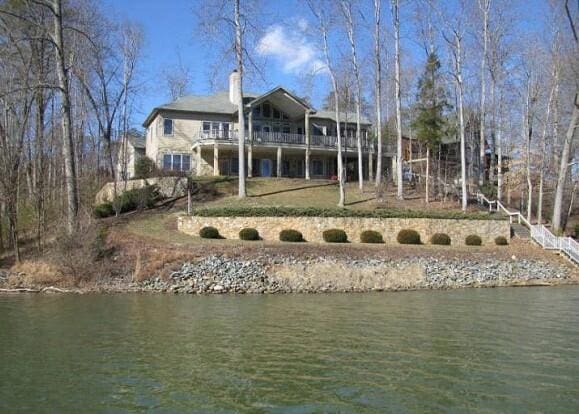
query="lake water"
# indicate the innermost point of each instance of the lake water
(476, 350)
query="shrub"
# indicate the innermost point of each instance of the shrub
(335, 236)
(290, 235)
(136, 199)
(577, 231)
(341, 212)
(104, 210)
(145, 168)
(473, 240)
(209, 233)
(371, 236)
(249, 234)
(501, 241)
(442, 239)
(408, 236)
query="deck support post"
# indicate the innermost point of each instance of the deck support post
(215, 159)
(307, 130)
(250, 146)
(278, 162)
(198, 155)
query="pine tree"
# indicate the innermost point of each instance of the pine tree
(430, 122)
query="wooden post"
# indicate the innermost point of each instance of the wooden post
(216, 159)
(307, 128)
(278, 162)
(199, 159)
(250, 146)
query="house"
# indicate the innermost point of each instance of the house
(129, 152)
(199, 134)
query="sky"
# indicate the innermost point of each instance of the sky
(286, 49)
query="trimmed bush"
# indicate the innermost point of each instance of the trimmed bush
(473, 240)
(209, 233)
(442, 239)
(501, 241)
(408, 236)
(249, 234)
(371, 236)
(290, 235)
(335, 236)
(136, 199)
(104, 210)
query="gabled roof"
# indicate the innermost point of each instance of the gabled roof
(216, 104)
(331, 115)
(137, 141)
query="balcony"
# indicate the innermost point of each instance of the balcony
(289, 139)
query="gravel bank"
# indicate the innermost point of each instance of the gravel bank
(221, 274)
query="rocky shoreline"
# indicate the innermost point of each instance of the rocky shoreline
(219, 274)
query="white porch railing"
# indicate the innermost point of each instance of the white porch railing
(539, 233)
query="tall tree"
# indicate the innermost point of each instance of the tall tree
(347, 6)
(378, 92)
(395, 7)
(239, 50)
(430, 121)
(484, 6)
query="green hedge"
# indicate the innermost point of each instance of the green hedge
(209, 233)
(290, 235)
(135, 199)
(337, 212)
(501, 241)
(249, 234)
(335, 236)
(440, 239)
(371, 236)
(408, 236)
(104, 210)
(473, 240)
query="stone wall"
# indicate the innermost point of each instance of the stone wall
(312, 227)
(168, 187)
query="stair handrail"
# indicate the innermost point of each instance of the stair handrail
(539, 233)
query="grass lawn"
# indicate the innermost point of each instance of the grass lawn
(288, 192)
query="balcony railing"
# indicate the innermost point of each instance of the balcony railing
(316, 141)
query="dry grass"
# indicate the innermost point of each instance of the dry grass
(39, 273)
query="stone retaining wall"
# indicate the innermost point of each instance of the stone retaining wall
(312, 227)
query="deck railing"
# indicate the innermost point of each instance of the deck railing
(316, 141)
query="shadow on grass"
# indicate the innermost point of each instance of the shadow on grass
(289, 190)
(353, 203)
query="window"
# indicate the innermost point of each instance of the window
(167, 126)
(257, 111)
(234, 166)
(300, 130)
(286, 130)
(276, 128)
(176, 162)
(225, 127)
(206, 127)
(276, 113)
(266, 108)
(266, 128)
(317, 167)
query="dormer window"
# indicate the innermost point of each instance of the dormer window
(167, 127)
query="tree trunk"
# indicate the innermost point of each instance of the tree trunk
(378, 81)
(484, 6)
(67, 142)
(427, 190)
(239, 94)
(563, 166)
(399, 159)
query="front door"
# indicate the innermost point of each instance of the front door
(265, 168)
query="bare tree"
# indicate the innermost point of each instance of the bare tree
(395, 7)
(568, 142)
(320, 15)
(484, 6)
(378, 93)
(239, 97)
(348, 15)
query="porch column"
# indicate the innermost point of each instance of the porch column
(307, 128)
(216, 159)
(198, 154)
(250, 146)
(278, 162)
